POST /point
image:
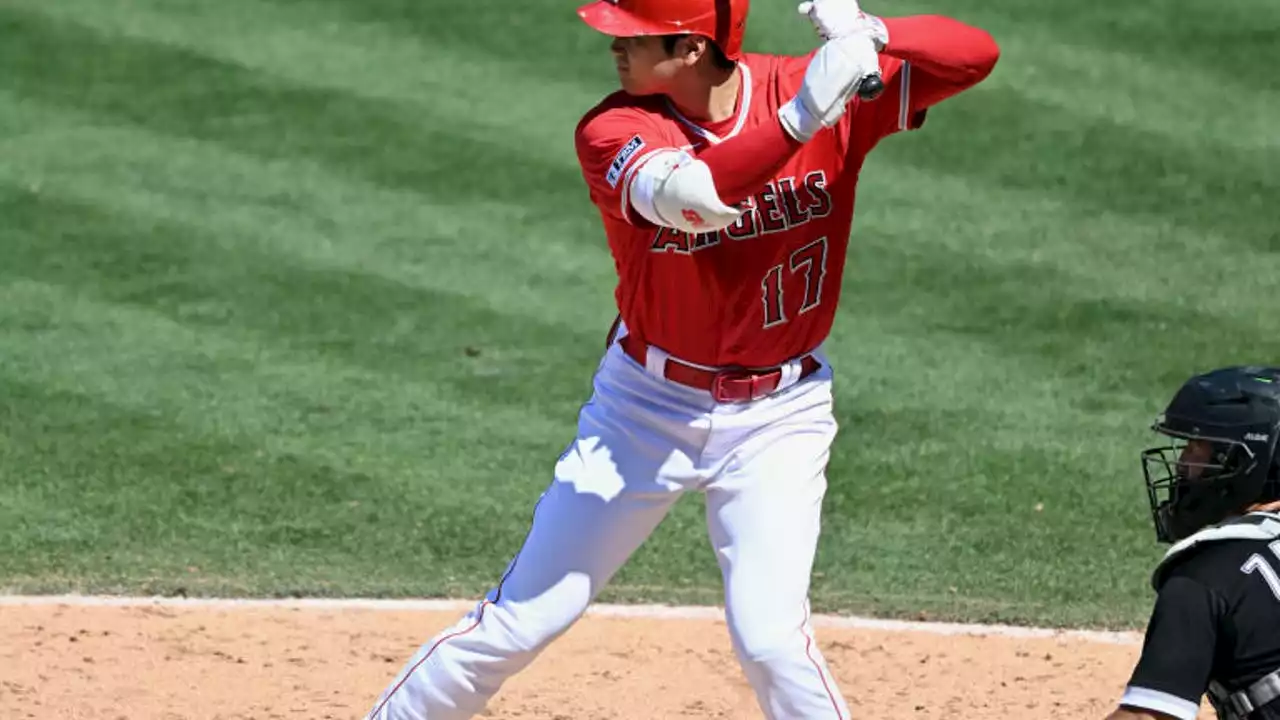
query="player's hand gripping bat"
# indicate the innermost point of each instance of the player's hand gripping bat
(837, 18)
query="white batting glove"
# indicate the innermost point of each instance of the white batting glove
(832, 78)
(839, 18)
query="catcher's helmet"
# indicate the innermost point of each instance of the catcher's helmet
(723, 21)
(1225, 425)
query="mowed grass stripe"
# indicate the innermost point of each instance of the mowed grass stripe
(152, 427)
(1108, 342)
(340, 313)
(1094, 254)
(1190, 107)
(319, 47)
(544, 36)
(233, 383)
(1099, 165)
(181, 93)
(1105, 344)
(307, 214)
(1227, 45)
(460, 485)
(125, 501)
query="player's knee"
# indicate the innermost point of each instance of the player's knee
(768, 643)
(528, 630)
(523, 636)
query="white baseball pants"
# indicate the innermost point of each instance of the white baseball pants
(643, 442)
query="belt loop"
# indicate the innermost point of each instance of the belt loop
(790, 374)
(655, 362)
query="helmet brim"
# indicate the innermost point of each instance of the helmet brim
(609, 19)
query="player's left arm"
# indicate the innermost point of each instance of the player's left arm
(924, 59)
(1173, 671)
(944, 56)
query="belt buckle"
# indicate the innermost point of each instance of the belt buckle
(727, 386)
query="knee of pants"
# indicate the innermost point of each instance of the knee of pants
(529, 627)
(767, 643)
(526, 634)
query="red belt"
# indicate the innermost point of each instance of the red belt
(727, 385)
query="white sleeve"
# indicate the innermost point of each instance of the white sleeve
(1161, 702)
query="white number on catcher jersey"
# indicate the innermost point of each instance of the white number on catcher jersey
(1257, 562)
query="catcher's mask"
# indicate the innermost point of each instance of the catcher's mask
(1223, 428)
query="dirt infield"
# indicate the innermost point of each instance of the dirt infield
(160, 662)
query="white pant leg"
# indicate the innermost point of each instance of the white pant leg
(763, 517)
(630, 462)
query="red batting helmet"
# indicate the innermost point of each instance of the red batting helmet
(723, 21)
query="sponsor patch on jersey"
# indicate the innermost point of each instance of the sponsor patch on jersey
(620, 160)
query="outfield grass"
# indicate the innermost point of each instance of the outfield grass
(297, 297)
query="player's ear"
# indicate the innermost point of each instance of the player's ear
(691, 48)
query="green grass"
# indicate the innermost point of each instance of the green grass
(302, 297)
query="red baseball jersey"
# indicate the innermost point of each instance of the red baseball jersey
(763, 290)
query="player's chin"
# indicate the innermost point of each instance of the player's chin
(633, 85)
(635, 88)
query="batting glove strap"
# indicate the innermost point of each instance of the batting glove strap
(832, 78)
(839, 18)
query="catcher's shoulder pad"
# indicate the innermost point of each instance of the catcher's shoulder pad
(1252, 526)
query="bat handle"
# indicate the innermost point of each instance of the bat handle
(871, 87)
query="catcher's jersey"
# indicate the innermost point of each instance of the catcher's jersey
(1216, 618)
(765, 289)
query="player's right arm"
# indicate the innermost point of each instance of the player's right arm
(1173, 672)
(636, 175)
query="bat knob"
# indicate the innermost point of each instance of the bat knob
(871, 87)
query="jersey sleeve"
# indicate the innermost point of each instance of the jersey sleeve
(1174, 669)
(929, 58)
(901, 107)
(611, 144)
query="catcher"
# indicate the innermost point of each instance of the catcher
(1215, 497)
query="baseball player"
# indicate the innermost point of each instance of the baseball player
(725, 183)
(1215, 496)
